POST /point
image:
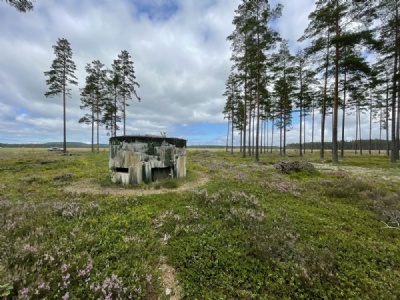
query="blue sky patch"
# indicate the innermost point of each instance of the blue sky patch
(156, 10)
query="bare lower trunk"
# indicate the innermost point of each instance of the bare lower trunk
(64, 119)
(359, 128)
(232, 134)
(312, 129)
(356, 145)
(272, 135)
(227, 135)
(370, 127)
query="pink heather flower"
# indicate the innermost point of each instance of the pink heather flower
(148, 277)
(66, 296)
(24, 292)
(29, 248)
(64, 267)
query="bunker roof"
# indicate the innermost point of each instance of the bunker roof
(181, 143)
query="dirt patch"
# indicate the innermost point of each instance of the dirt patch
(390, 175)
(89, 187)
(171, 287)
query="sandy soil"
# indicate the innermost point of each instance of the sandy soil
(171, 286)
(89, 187)
(390, 175)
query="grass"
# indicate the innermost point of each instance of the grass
(248, 232)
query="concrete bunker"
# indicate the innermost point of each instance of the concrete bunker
(140, 158)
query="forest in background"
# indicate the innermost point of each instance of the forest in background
(350, 67)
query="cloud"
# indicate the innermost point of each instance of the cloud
(180, 54)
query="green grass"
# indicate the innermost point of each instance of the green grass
(248, 232)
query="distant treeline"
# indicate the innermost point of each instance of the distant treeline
(53, 144)
(207, 146)
(374, 144)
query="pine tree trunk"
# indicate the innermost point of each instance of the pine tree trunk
(335, 158)
(261, 135)
(92, 125)
(250, 120)
(266, 136)
(244, 117)
(304, 133)
(115, 111)
(280, 135)
(64, 110)
(380, 131)
(395, 150)
(124, 116)
(370, 126)
(398, 114)
(253, 134)
(284, 130)
(97, 123)
(312, 129)
(359, 128)
(272, 135)
(387, 117)
(355, 150)
(323, 116)
(301, 113)
(343, 114)
(232, 132)
(241, 141)
(227, 135)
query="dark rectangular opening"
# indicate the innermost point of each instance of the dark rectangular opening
(122, 170)
(160, 173)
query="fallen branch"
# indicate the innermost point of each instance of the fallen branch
(390, 227)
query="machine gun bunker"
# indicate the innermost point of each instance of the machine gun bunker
(135, 159)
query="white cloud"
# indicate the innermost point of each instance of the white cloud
(179, 49)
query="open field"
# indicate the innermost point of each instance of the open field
(232, 229)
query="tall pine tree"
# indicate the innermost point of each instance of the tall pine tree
(124, 74)
(252, 39)
(60, 76)
(93, 95)
(346, 23)
(389, 15)
(21, 5)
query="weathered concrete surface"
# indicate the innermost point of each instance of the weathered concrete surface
(137, 159)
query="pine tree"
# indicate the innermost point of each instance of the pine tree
(61, 75)
(389, 15)
(283, 66)
(355, 73)
(304, 91)
(319, 32)
(232, 104)
(94, 95)
(88, 101)
(251, 40)
(111, 118)
(124, 80)
(21, 5)
(346, 23)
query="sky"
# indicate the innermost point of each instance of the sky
(180, 53)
